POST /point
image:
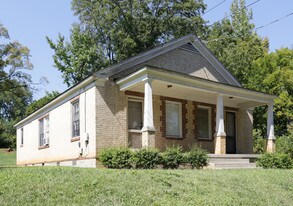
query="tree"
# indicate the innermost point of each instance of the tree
(113, 30)
(14, 61)
(274, 74)
(235, 42)
(15, 85)
(34, 106)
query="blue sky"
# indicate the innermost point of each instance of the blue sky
(30, 21)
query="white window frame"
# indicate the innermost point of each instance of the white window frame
(72, 116)
(21, 137)
(209, 120)
(180, 119)
(142, 111)
(46, 131)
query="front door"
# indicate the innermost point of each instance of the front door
(230, 132)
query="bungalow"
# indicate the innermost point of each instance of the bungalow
(175, 94)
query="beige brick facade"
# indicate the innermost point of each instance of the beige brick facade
(189, 126)
(111, 127)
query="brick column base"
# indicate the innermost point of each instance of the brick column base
(148, 139)
(271, 146)
(220, 145)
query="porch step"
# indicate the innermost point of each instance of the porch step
(232, 161)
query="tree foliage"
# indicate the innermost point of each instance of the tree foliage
(273, 74)
(15, 85)
(235, 42)
(113, 30)
(41, 102)
(245, 54)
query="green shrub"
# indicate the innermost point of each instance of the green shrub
(146, 158)
(116, 158)
(275, 160)
(259, 143)
(172, 157)
(197, 157)
(284, 145)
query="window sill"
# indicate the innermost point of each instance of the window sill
(74, 139)
(174, 137)
(43, 147)
(21, 145)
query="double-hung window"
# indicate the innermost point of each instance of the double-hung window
(44, 131)
(173, 119)
(204, 123)
(75, 119)
(135, 114)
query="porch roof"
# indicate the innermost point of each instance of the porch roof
(178, 85)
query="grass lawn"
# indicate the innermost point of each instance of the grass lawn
(77, 186)
(7, 159)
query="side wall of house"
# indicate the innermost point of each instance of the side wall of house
(62, 149)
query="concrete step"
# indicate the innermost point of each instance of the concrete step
(235, 164)
(232, 161)
(222, 160)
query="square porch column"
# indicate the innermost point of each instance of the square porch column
(148, 130)
(220, 136)
(271, 142)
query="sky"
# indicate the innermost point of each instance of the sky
(30, 21)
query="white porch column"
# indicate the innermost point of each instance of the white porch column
(271, 142)
(148, 130)
(220, 136)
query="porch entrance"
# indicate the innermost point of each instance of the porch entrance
(230, 132)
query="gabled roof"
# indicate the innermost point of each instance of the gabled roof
(189, 42)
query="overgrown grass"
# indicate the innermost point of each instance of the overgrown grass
(76, 186)
(7, 159)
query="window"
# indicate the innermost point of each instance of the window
(21, 136)
(204, 122)
(75, 119)
(135, 114)
(173, 119)
(44, 130)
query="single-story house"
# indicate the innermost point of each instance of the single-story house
(177, 93)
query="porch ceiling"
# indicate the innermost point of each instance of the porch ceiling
(175, 85)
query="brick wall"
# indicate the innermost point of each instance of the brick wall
(112, 128)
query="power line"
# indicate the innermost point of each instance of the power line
(260, 27)
(214, 7)
(232, 13)
(274, 21)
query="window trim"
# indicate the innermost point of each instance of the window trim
(210, 122)
(180, 136)
(44, 119)
(72, 102)
(21, 137)
(142, 115)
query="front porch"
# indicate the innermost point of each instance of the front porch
(178, 109)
